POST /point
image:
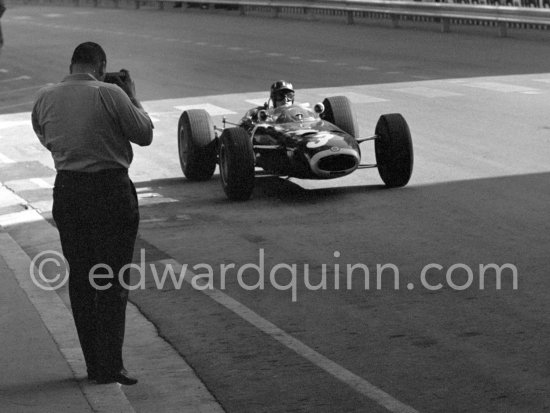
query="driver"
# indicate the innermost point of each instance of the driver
(281, 94)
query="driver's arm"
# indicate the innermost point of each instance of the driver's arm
(250, 117)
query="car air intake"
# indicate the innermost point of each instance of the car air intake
(337, 163)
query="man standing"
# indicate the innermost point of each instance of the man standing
(88, 125)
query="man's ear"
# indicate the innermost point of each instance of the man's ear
(102, 69)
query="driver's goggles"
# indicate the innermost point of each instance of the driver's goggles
(284, 94)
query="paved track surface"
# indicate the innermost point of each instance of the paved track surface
(477, 106)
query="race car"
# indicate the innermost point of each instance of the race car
(300, 141)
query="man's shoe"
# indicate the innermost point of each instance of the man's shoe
(121, 377)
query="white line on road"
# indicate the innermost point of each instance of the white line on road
(500, 87)
(23, 89)
(41, 183)
(5, 159)
(345, 376)
(14, 121)
(16, 105)
(213, 110)
(256, 102)
(24, 77)
(361, 98)
(427, 92)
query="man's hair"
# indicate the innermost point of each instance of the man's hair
(88, 53)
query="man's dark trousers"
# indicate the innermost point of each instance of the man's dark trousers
(97, 216)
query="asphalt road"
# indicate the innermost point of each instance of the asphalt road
(477, 108)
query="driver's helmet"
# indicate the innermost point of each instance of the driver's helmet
(280, 90)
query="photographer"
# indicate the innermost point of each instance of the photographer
(88, 125)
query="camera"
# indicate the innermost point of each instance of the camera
(115, 77)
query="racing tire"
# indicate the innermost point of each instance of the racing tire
(394, 150)
(197, 145)
(339, 112)
(237, 164)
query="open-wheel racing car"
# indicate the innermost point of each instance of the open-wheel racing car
(292, 141)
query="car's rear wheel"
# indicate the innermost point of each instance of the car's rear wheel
(237, 164)
(394, 150)
(339, 112)
(196, 145)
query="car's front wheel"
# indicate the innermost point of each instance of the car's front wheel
(394, 150)
(196, 145)
(236, 157)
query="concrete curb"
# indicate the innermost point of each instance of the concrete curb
(58, 320)
(166, 382)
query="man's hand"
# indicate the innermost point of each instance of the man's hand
(127, 84)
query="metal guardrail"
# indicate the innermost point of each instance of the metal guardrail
(395, 10)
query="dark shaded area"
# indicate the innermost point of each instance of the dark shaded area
(472, 222)
(485, 344)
